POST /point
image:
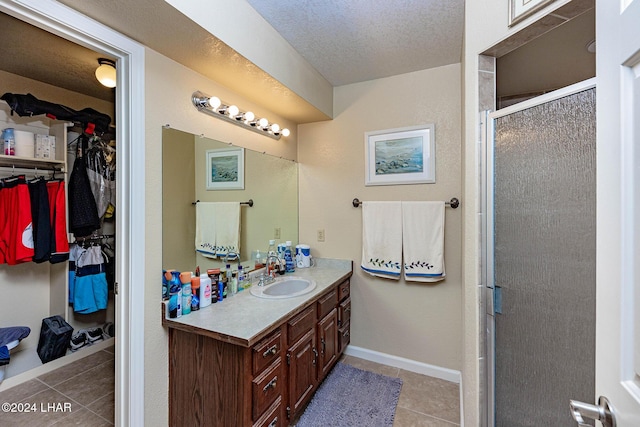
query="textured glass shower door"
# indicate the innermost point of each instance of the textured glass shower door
(544, 214)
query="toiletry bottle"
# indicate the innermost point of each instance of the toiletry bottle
(185, 279)
(195, 290)
(233, 284)
(220, 291)
(227, 283)
(271, 264)
(240, 278)
(214, 275)
(288, 258)
(175, 295)
(9, 140)
(205, 291)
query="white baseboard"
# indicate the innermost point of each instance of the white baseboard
(402, 363)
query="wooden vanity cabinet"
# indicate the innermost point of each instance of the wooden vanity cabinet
(327, 333)
(344, 317)
(213, 382)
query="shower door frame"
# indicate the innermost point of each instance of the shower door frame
(487, 323)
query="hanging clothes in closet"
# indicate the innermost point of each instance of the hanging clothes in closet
(83, 211)
(32, 220)
(101, 169)
(49, 221)
(88, 288)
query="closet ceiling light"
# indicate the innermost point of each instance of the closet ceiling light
(106, 72)
(213, 106)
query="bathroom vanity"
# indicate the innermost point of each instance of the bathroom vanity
(250, 361)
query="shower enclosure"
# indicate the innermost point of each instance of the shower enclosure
(539, 257)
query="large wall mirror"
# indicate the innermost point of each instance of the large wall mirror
(271, 182)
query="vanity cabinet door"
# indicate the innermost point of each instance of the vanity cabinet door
(327, 303)
(266, 352)
(344, 337)
(344, 290)
(344, 312)
(266, 388)
(274, 417)
(302, 358)
(328, 343)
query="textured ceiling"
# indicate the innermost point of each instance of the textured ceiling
(358, 40)
(346, 41)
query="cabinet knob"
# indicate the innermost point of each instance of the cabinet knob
(271, 384)
(270, 351)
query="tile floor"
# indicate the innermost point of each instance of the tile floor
(78, 394)
(424, 401)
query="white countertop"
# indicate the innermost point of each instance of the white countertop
(244, 318)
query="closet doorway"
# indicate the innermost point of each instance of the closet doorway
(52, 17)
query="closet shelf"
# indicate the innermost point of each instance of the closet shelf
(30, 162)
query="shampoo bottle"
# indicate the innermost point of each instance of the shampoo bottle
(205, 291)
(288, 258)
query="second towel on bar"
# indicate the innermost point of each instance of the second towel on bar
(382, 239)
(423, 241)
(217, 228)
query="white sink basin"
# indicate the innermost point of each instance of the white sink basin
(287, 287)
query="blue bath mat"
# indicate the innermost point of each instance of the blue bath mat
(352, 397)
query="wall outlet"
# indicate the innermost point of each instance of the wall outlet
(276, 234)
(321, 235)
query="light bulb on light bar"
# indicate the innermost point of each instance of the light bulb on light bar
(214, 102)
(233, 111)
(285, 132)
(249, 117)
(275, 128)
(263, 123)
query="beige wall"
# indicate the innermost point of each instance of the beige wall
(168, 89)
(416, 321)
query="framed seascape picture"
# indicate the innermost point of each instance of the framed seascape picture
(225, 169)
(400, 156)
(520, 9)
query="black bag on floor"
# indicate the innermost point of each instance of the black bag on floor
(55, 336)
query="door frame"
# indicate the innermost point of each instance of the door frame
(487, 225)
(130, 186)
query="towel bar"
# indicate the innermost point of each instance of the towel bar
(453, 203)
(249, 203)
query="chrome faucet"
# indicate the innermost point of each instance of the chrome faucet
(232, 254)
(269, 274)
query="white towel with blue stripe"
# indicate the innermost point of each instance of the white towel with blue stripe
(423, 241)
(382, 239)
(217, 229)
(206, 229)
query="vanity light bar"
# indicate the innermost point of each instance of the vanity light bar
(213, 106)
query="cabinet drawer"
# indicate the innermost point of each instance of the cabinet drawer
(344, 312)
(344, 290)
(344, 337)
(265, 352)
(266, 388)
(327, 303)
(300, 324)
(274, 417)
